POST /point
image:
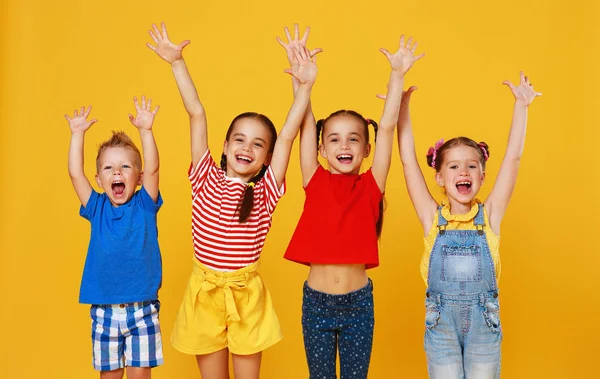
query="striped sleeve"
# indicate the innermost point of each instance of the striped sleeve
(272, 193)
(198, 174)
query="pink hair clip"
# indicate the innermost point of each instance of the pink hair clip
(433, 151)
(484, 150)
(368, 120)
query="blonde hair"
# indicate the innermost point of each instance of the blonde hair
(119, 139)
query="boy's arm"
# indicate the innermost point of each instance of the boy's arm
(400, 63)
(308, 130)
(144, 120)
(305, 72)
(173, 55)
(499, 197)
(79, 125)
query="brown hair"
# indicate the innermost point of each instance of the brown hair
(119, 139)
(366, 122)
(482, 149)
(247, 201)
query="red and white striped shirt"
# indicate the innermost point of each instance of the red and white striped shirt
(220, 241)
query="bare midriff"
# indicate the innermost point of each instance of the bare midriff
(337, 279)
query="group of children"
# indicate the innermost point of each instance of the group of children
(226, 307)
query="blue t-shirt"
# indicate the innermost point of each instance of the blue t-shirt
(123, 263)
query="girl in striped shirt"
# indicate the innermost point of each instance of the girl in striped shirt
(226, 307)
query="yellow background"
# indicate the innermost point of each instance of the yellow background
(59, 55)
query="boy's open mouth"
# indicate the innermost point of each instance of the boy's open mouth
(118, 188)
(344, 158)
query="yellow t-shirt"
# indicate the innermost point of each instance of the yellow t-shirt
(461, 222)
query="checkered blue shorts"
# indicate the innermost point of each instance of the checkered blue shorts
(126, 335)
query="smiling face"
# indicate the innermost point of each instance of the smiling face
(461, 173)
(248, 147)
(344, 144)
(119, 174)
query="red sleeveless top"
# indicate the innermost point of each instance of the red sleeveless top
(338, 224)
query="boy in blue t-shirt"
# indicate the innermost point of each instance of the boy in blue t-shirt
(123, 270)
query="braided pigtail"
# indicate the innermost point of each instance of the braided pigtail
(247, 200)
(320, 124)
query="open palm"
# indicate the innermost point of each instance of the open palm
(79, 123)
(165, 49)
(405, 57)
(305, 69)
(144, 114)
(524, 93)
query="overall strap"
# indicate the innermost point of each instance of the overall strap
(480, 220)
(442, 222)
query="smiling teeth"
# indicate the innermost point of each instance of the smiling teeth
(245, 158)
(344, 156)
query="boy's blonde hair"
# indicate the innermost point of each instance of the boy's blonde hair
(119, 139)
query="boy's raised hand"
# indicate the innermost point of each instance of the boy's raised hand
(145, 115)
(524, 93)
(296, 44)
(79, 123)
(165, 49)
(405, 57)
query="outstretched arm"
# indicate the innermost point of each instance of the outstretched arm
(173, 55)
(79, 125)
(400, 63)
(308, 131)
(498, 199)
(144, 120)
(424, 204)
(305, 72)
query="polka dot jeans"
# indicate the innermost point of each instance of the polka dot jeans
(332, 321)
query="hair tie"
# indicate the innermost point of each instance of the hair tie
(251, 184)
(485, 153)
(368, 120)
(433, 151)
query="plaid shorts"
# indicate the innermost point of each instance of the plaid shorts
(126, 335)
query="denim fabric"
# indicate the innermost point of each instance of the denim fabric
(463, 333)
(331, 321)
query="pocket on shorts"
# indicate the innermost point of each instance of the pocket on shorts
(432, 314)
(491, 314)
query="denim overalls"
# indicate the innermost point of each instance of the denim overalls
(463, 333)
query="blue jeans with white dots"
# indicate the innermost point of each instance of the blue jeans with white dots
(329, 321)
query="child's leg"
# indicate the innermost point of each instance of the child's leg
(138, 373)
(443, 345)
(320, 335)
(214, 365)
(482, 344)
(356, 337)
(247, 366)
(113, 374)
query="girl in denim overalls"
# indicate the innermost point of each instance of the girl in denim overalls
(461, 261)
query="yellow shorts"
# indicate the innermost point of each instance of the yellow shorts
(225, 309)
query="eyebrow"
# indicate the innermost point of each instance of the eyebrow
(335, 134)
(458, 160)
(243, 135)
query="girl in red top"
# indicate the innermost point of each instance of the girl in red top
(226, 307)
(338, 230)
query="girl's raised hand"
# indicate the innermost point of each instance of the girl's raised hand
(405, 57)
(165, 49)
(296, 44)
(524, 93)
(145, 115)
(79, 123)
(305, 69)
